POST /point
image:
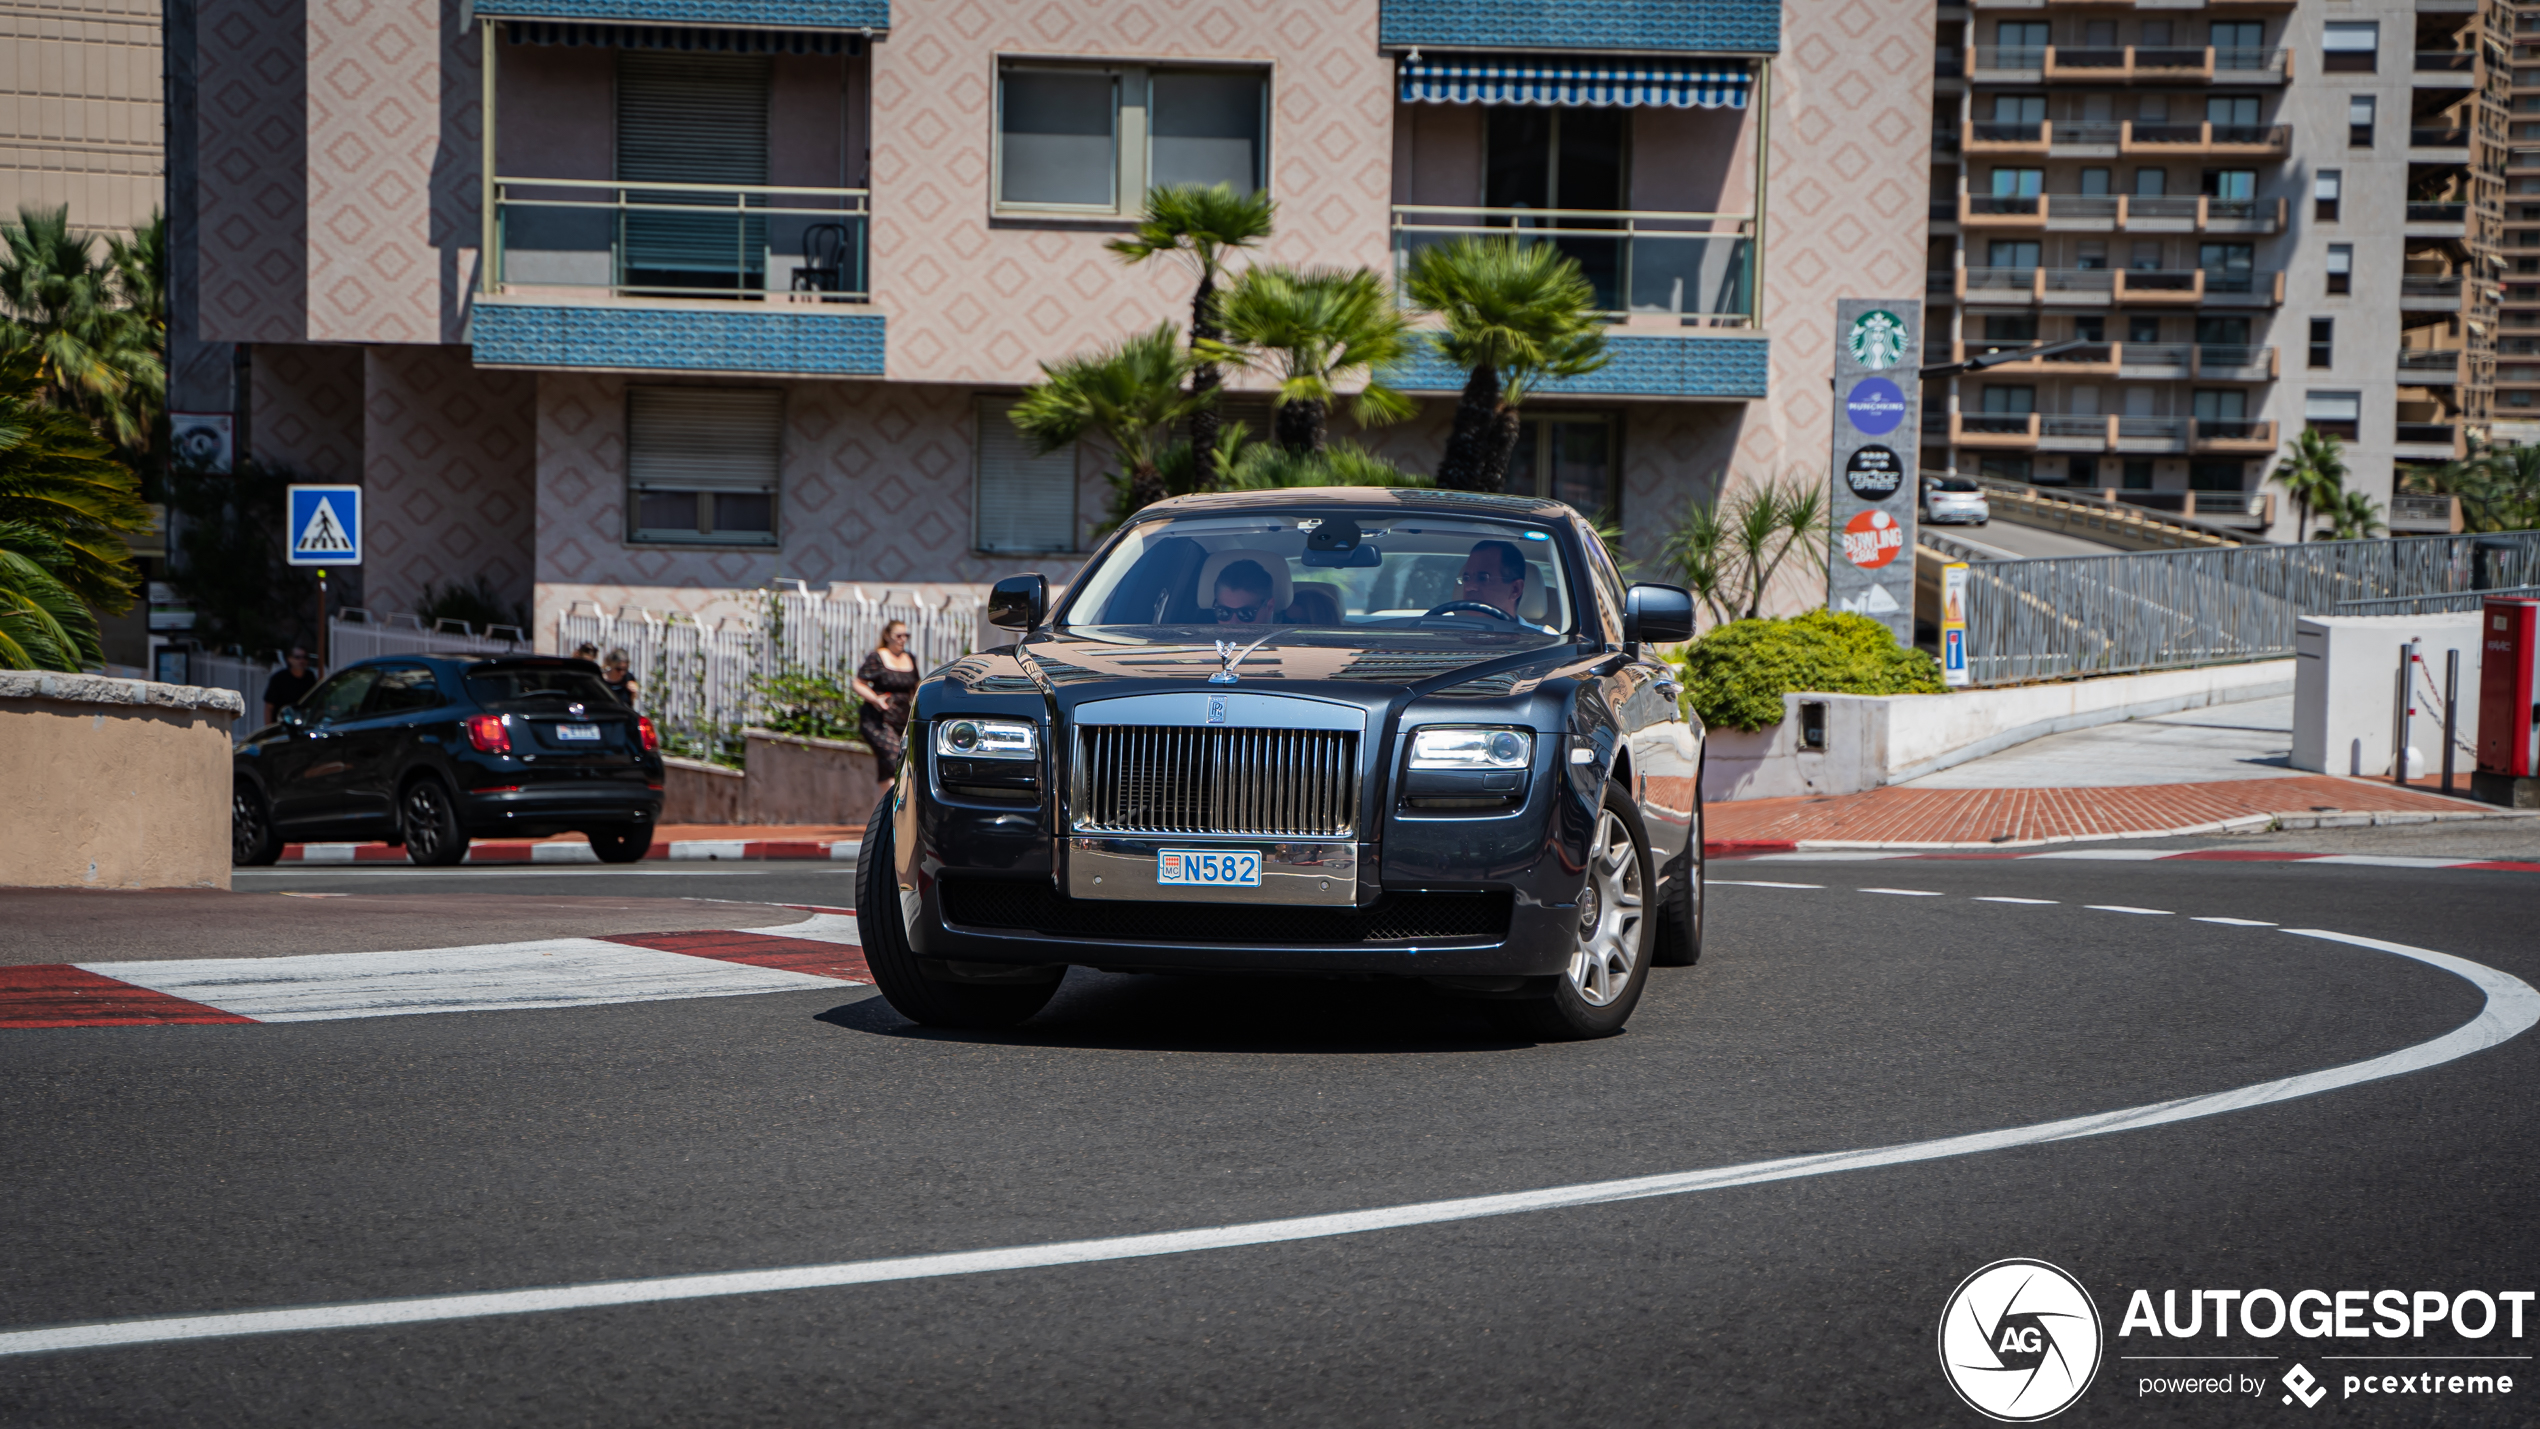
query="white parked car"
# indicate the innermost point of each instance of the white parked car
(1948, 499)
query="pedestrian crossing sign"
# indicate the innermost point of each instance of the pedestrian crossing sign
(324, 526)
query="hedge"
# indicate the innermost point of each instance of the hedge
(1735, 676)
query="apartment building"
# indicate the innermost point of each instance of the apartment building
(2238, 218)
(79, 110)
(646, 302)
(2518, 340)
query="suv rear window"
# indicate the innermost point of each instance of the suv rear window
(533, 687)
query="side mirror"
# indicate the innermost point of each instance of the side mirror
(290, 715)
(1019, 602)
(1657, 614)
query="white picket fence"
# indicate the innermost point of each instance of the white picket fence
(400, 634)
(700, 680)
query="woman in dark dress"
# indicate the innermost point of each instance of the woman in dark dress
(887, 683)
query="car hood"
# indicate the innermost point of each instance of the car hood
(1072, 666)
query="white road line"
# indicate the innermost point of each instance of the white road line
(2237, 922)
(2107, 855)
(1998, 899)
(2121, 908)
(1759, 883)
(1906, 892)
(2389, 860)
(1829, 856)
(2511, 1008)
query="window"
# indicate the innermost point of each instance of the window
(340, 697)
(2241, 44)
(2002, 401)
(1082, 139)
(2011, 327)
(2327, 186)
(405, 687)
(2091, 327)
(2018, 183)
(1023, 501)
(2003, 468)
(2323, 342)
(2227, 405)
(2138, 474)
(1569, 159)
(2341, 267)
(2211, 475)
(2231, 185)
(2142, 327)
(2094, 182)
(2336, 413)
(2359, 118)
(2229, 267)
(2011, 253)
(2023, 44)
(1568, 459)
(2019, 109)
(2236, 112)
(2151, 183)
(2349, 45)
(2082, 471)
(702, 465)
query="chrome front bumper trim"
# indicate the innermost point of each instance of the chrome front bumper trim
(1293, 873)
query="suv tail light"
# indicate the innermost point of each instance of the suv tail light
(488, 734)
(652, 736)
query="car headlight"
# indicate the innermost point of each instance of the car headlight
(1452, 748)
(988, 738)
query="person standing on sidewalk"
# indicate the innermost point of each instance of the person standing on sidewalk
(887, 683)
(290, 684)
(621, 684)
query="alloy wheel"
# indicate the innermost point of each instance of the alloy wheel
(424, 820)
(246, 826)
(1609, 915)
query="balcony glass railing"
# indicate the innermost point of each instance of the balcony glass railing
(2218, 359)
(2245, 61)
(2438, 61)
(2152, 429)
(1697, 267)
(1993, 133)
(1994, 424)
(2010, 57)
(2427, 432)
(2422, 359)
(2077, 427)
(2157, 356)
(2173, 206)
(2438, 138)
(2438, 212)
(2080, 280)
(2001, 205)
(2087, 131)
(2232, 429)
(741, 242)
(2413, 286)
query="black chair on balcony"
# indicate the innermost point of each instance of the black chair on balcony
(823, 267)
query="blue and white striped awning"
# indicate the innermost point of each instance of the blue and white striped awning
(1613, 84)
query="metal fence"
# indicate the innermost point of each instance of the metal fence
(704, 682)
(2156, 610)
(349, 640)
(2448, 601)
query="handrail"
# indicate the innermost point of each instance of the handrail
(1624, 214)
(671, 187)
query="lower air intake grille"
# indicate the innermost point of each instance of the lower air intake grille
(1396, 918)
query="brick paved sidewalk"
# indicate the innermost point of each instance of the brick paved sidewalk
(1978, 818)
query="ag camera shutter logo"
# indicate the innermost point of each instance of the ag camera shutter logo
(2019, 1341)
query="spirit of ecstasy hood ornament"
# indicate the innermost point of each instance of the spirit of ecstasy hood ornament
(1228, 652)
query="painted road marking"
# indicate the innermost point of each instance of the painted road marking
(2111, 855)
(1998, 899)
(1759, 883)
(1830, 856)
(2121, 908)
(2511, 1007)
(59, 995)
(2238, 922)
(1906, 892)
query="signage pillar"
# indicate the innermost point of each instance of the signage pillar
(1878, 345)
(1953, 623)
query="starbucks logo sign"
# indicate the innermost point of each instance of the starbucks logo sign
(1878, 339)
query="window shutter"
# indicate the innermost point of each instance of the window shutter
(693, 119)
(1023, 501)
(702, 463)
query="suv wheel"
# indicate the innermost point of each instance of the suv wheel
(252, 840)
(621, 845)
(429, 815)
(1609, 962)
(896, 969)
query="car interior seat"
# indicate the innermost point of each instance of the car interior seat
(1315, 604)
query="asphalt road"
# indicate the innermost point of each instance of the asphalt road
(166, 1170)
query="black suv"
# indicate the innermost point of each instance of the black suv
(431, 751)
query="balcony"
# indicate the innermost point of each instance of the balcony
(1988, 138)
(2124, 64)
(2213, 141)
(1649, 269)
(2425, 515)
(2440, 138)
(2119, 213)
(2137, 361)
(2435, 67)
(2437, 220)
(2109, 432)
(2133, 287)
(593, 240)
(2419, 366)
(1625, 26)
(2230, 438)
(2429, 292)
(2433, 441)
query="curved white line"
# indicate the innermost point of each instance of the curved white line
(2511, 1007)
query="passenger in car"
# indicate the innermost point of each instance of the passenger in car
(1243, 595)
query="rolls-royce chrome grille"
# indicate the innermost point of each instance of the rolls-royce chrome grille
(1180, 779)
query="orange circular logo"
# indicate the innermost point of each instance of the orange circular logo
(1872, 539)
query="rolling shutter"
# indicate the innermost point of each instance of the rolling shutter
(1023, 501)
(693, 119)
(702, 463)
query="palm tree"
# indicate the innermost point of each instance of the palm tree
(98, 355)
(42, 625)
(1314, 329)
(57, 477)
(1131, 393)
(2313, 472)
(1204, 226)
(2353, 516)
(2499, 487)
(1728, 553)
(1515, 313)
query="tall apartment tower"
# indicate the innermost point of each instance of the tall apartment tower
(2247, 216)
(79, 110)
(2518, 342)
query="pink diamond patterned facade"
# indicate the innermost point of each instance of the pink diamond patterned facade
(340, 148)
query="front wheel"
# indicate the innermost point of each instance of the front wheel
(430, 815)
(1609, 961)
(252, 840)
(927, 1001)
(621, 846)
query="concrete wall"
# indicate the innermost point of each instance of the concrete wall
(2346, 691)
(798, 780)
(113, 783)
(1872, 740)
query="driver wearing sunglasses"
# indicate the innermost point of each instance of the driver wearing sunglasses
(1244, 595)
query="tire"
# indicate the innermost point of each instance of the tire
(1680, 928)
(253, 843)
(621, 845)
(927, 1001)
(1609, 965)
(429, 815)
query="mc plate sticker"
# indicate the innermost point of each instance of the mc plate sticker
(1208, 868)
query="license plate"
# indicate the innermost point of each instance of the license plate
(1206, 868)
(578, 731)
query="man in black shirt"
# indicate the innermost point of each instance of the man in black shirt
(289, 685)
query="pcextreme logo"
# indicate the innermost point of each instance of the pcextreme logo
(2019, 1341)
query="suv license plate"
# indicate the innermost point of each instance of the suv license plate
(1208, 868)
(578, 731)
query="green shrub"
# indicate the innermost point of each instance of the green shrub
(801, 702)
(1735, 676)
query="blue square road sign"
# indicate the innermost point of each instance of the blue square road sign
(324, 526)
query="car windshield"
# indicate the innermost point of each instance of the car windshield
(1371, 568)
(1952, 483)
(525, 687)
